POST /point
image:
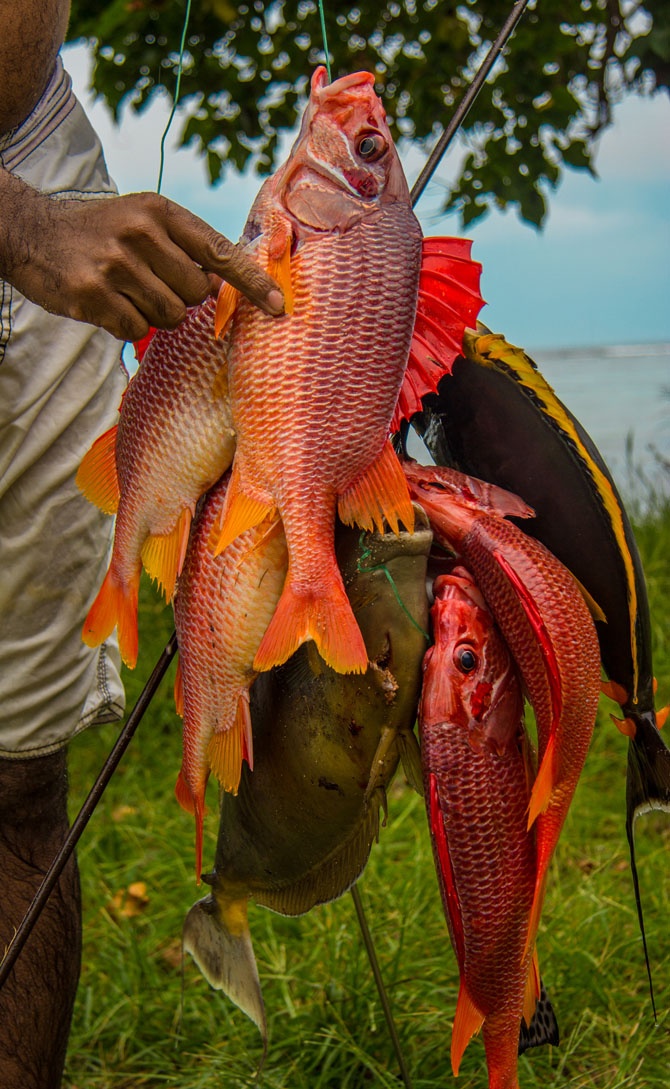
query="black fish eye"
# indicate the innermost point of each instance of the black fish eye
(371, 146)
(466, 659)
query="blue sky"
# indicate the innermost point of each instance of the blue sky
(599, 272)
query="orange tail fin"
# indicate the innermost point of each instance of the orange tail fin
(195, 804)
(115, 607)
(326, 618)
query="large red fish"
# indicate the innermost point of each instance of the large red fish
(477, 775)
(173, 441)
(222, 607)
(335, 225)
(549, 629)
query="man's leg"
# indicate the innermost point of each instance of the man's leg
(37, 999)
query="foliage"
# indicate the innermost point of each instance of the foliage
(246, 71)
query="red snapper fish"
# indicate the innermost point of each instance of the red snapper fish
(173, 441)
(222, 607)
(336, 228)
(477, 769)
(547, 624)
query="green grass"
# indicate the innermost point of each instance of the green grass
(140, 1021)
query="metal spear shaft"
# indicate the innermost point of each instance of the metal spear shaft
(468, 99)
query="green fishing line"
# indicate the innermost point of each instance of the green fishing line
(326, 51)
(365, 554)
(180, 64)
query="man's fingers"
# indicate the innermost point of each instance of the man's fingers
(216, 253)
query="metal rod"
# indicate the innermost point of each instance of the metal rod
(386, 1005)
(69, 843)
(468, 99)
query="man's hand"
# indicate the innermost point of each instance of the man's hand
(123, 263)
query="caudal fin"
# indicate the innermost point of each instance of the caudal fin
(217, 937)
(115, 607)
(327, 618)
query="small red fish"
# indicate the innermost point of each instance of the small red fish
(549, 629)
(173, 441)
(222, 607)
(477, 772)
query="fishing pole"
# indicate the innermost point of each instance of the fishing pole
(468, 99)
(52, 875)
(109, 767)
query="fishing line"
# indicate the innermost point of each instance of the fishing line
(366, 552)
(175, 100)
(326, 51)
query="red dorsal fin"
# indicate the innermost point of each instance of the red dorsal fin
(195, 805)
(544, 641)
(439, 836)
(449, 302)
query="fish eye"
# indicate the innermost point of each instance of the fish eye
(371, 146)
(465, 659)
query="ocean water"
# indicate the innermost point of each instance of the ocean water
(621, 396)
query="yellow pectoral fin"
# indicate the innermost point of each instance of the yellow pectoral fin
(228, 748)
(279, 268)
(241, 512)
(163, 555)
(96, 477)
(379, 493)
(468, 1020)
(226, 304)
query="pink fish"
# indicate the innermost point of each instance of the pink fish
(173, 441)
(222, 607)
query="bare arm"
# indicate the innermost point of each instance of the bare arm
(122, 263)
(31, 34)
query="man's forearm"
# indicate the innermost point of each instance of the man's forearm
(31, 34)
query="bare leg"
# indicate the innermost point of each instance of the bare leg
(37, 999)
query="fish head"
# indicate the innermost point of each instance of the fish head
(470, 679)
(344, 164)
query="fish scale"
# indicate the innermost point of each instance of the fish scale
(173, 442)
(333, 366)
(476, 782)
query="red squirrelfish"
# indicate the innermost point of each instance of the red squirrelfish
(313, 393)
(222, 607)
(173, 441)
(546, 622)
(477, 773)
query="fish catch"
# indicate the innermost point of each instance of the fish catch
(548, 627)
(222, 607)
(326, 747)
(173, 441)
(336, 227)
(478, 771)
